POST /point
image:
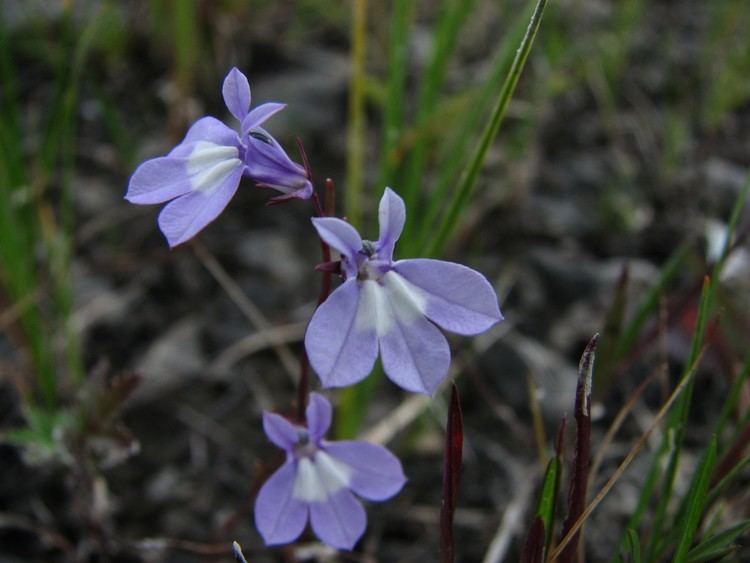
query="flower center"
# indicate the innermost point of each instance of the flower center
(371, 268)
(305, 447)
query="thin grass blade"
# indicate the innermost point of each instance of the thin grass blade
(696, 503)
(393, 112)
(718, 545)
(452, 15)
(457, 149)
(355, 134)
(461, 196)
(634, 546)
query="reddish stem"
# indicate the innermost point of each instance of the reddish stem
(303, 387)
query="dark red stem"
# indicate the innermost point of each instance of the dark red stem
(454, 440)
(580, 476)
(303, 387)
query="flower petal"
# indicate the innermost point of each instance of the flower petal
(188, 214)
(279, 517)
(280, 431)
(457, 298)
(268, 164)
(236, 92)
(414, 352)
(320, 477)
(391, 216)
(338, 521)
(206, 129)
(159, 180)
(318, 416)
(376, 472)
(260, 115)
(340, 352)
(341, 236)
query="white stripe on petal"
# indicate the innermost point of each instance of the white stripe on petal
(320, 478)
(382, 303)
(373, 312)
(209, 164)
(406, 300)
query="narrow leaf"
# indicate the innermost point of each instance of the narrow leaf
(580, 474)
(634, 546)
(355, 134)
(452, 15)
(466, 185)
(696, 502)
(548, 497)
(717, 545)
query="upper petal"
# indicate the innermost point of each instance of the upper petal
(391, 216)
(414, 352)
(236, 92)
(159, 180)
(376, 474)
(341, 351)
(340, 235)
(207, 129)
(319, 414)
(339, 521)
(183, 218)
(260, 115)
(279, 517)
(457, 298)
(280, 431)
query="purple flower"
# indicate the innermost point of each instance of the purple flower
(318, 478)
(393, 307)
(203, 172)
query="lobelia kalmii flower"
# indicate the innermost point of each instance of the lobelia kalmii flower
(203, 172)
(393, 307)
(317, 480)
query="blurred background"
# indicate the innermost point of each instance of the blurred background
(133, 377)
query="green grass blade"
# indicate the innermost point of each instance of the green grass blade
(452, 15)
(548, 498)
(728, 479)
(186, 45)
(676, 423)
(457, 149)
(696, 503)
(650, 302)
(393, 112)
(732, 397)
(718, 545)
(634, 546)
(466, 185)
(355, 135)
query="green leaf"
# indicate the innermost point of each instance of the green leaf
(470, 128)
(548, 497)
(696, 503)
(452, 15)
(634, 546)
(468, 180)
(718, 545)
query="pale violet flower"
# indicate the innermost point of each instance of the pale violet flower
(203, 172)
(393, 308)
(317, 480)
